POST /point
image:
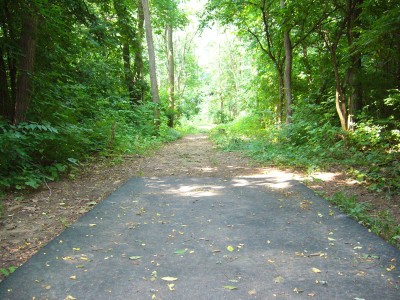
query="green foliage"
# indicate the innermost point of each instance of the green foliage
(314, 143)
(381, 223)
(7, 272)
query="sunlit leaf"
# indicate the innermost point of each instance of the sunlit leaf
(230, 248)
(315, 270)
(230, 287)
(171, 286)
(135, 257)
(390, 268)
(168, 278)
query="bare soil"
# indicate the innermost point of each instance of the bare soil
(31, 220)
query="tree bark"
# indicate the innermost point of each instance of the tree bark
(355, 89)
(281, 97)
(138, 69)
(124, 31)
(126, 55)
(152, 62)
(6, 102)
(26, 66)
(171, 76)
(340, 99)
(288, 70)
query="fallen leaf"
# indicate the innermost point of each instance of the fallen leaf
(168, 278)
(76, 249)
(390, 268)
(92, 203)
(298, 291)
(278, 279)
(180, 251)
(92, 225)
(73, 277)
(69, 297)
(135, 257)
(230, 287)
(230, 248)
(171, 286)
(315, 270)
(271, 261)
(311, 294)
(252, 292)
(331, 239)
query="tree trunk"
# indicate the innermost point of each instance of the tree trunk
(288, 70)
(126, 55)
(124, 30)
(26, 66)
(281, 97)
(6, 102)
(355, 89)
(138, 69)
(340, 100)
(152, 62)
(171, 77)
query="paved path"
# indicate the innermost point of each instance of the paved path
(241, 238)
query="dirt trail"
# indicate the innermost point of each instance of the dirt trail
(196, 156)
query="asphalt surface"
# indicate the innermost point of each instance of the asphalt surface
(210, 238)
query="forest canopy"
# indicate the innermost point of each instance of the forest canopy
(308, 83)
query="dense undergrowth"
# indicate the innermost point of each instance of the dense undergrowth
(34, 153)
(370, 154)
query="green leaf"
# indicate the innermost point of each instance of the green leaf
(180, 251)
(230, 248)
(230, 287)
(135, 257)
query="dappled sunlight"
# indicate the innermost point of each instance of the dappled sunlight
(197, 190)
(272, 178)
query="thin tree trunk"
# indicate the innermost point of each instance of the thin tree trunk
(340, 95)
(152, 62)
(26, 66)
(355, 89)
(138, 69)
(281, 98)
(288, 70)
(171, 76)
(124, 30)
(6, 103)
(126, 55)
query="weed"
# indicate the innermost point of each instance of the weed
(381, 223)
(64, 222)
(7, 271)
